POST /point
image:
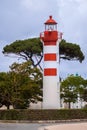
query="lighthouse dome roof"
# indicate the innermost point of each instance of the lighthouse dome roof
(50, 21)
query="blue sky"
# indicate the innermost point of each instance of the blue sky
(21, 19)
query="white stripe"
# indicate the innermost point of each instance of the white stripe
(50, 64)
(50, 49)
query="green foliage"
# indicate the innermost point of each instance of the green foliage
(5, 90)
(28, 85)
(20, 86)
(84, 95)
(26, 46)
(71, 87)
(70, 51)
(35, 115)
(26, 49)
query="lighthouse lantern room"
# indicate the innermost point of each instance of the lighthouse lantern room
(50, 24)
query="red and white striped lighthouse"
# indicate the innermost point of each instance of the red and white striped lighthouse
(51, 87)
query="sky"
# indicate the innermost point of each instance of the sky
(22, 19)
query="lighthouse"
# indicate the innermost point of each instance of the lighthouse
(51, 88)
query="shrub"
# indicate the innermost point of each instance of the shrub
(43, 114)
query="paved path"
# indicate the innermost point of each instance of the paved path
(19, 126)
(73, 126)
(41, 126)
(22, 126)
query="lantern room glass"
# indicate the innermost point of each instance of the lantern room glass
(50, 27)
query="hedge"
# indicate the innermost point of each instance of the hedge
(43, 114)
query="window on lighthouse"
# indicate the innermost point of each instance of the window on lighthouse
(50, 27)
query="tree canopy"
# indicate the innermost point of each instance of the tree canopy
(32, 49)
(20, 86)
(71, 88)
(5, 90)
(84, 94)
(70, 51)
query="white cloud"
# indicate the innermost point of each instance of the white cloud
(82, 7)
(34, 5)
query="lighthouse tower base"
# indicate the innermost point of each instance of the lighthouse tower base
(51, 96)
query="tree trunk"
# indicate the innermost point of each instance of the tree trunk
(8, 107)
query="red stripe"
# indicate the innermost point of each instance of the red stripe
(50, 72)
(50, 57)
(49, 43)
